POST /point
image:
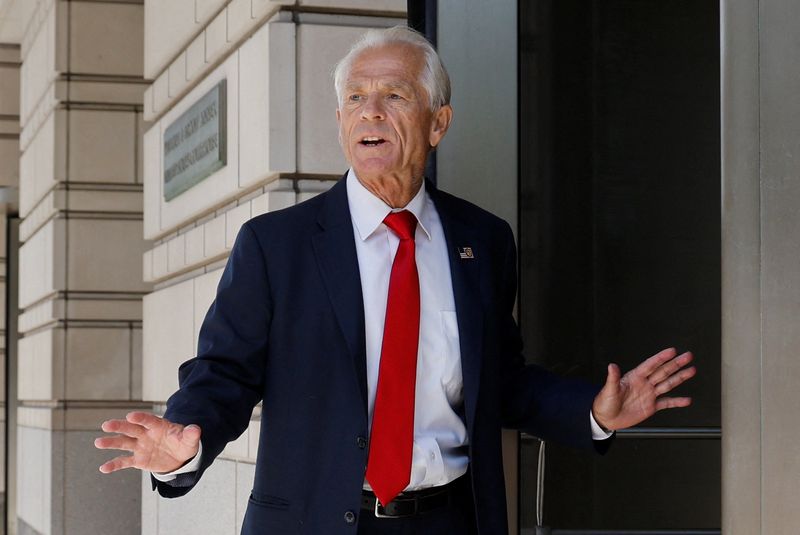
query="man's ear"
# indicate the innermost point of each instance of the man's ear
(339, 126)
(439, 125)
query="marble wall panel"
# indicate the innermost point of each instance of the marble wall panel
(105, 255)
(177, 75)
(217, 36)
(152, 176)
(149, 502)
(214, 237)
(319, 47)
(210, 508)
(33, 490)
(245, 474)
(41, 263)
(106, 38)
(168, 26)
(196, 56)
(40, 164)
(161, 92)
(176, 253)
(9, 90)
(204, 10)
(168, 338)
(40, 364)
(98, 363)
(102, 146)
(195, 239)
(267, 114)
(9, 162)
(95, 502)
(234, 219)
(240, 18)
(39, 66)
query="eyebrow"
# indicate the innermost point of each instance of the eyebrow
(354, 86)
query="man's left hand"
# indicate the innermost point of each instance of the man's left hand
(627, 400)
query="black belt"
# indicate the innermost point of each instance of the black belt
(412, 503)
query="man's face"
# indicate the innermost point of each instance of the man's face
(386, 126)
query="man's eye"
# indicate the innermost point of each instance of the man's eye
(354, 98)
(395, 96)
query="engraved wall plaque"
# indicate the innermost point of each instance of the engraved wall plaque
(194, 144)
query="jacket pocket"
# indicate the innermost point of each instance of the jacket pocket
(266, 500)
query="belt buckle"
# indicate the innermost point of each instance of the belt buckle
(378, 508)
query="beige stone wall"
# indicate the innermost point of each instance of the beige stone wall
(277, 58)
(760, 275)
(9, 182)
(80, 284)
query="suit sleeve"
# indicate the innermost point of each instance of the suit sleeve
(220, 386)
(536, 400)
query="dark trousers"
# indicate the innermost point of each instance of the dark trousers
(457, 518)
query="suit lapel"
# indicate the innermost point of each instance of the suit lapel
(465, 274)
(335, 250)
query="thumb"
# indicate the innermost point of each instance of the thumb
(613, 377)
(191, 434)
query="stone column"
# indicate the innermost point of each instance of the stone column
(9, 181)
(761, 279)
(80, 261)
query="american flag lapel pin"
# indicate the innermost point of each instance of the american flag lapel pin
(465, 253)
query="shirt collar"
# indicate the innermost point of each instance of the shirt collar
(368, 211)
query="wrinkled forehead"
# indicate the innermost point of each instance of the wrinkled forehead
(395, 62)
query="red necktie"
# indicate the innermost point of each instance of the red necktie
(391, 441)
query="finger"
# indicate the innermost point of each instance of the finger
(118, 442)
(670, 367)
(674, 380)
(653, 363)
(672, 403)
(118, 463)
(145, 419)
(123, 427)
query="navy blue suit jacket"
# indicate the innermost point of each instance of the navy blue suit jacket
(287, 328)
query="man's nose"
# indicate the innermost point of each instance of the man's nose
(373, 110)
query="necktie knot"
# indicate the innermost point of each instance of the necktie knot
(403, 224)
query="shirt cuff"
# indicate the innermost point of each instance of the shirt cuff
(598, 433)
(191, 466)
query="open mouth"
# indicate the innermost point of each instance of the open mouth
(372, 141)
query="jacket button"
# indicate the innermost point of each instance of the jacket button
(350, 517)
(362, 442)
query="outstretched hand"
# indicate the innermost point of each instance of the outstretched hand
(158, 445)
(628, 400)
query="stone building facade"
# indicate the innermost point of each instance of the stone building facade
(108, 273)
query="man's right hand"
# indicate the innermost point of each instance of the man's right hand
(158, 445)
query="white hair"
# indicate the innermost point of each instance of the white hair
(433, 77)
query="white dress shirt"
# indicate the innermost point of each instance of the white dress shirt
(439, 454)
(440, 436)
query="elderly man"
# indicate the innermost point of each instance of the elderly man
(375, 324)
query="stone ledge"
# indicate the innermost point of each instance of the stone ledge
(112, 201)
(101, 91)
(75, 415)
(67, 309)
